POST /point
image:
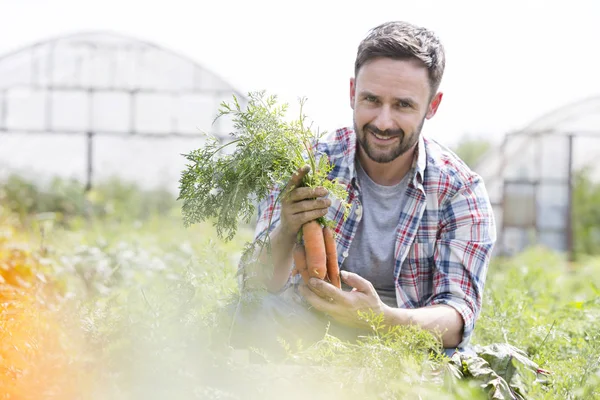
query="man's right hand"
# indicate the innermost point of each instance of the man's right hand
(300, 205)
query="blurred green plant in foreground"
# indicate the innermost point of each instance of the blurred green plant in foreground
(137, 308)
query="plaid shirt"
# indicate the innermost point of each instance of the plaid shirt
(446, 230)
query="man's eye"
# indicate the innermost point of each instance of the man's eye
(371, 99)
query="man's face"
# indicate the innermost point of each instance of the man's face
(390, 99)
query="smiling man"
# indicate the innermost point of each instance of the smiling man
(418, 241)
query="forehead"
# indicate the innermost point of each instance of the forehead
(394, 78)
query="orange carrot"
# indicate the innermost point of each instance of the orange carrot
(300, 262)
(314, 245)
(333, 270)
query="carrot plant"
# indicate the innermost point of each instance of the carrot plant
(224, 182)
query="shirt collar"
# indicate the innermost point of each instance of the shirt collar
(418, 166)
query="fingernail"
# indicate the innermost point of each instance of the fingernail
(312, 282)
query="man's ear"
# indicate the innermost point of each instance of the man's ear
(352, 92)
(434, 104)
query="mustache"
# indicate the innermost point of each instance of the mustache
(387, 132)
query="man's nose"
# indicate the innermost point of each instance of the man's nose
(384, 120)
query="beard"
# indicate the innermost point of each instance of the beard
(405, 142)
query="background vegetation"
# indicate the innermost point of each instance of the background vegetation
(106, 295)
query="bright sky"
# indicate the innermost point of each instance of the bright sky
(507, 61)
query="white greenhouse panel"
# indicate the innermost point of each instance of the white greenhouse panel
(127, 69)
(41, 60)
(26, 109)
(153, 113)
(70, 68)
(552, 216)
(179, 73)
(195, 113)
(519, 205)
(70, 111)
(555, 194)
(43, 156)
(554, 157)
(154, 71)
(2, 110)
(554, 240)
(157, 162)
(102, 69)
(522, 155)
(16, 70)
(111, 112)
(586, 123)
(552, 206)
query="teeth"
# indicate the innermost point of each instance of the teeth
(380, 137)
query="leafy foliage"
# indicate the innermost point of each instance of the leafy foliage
(142, 312)
(225, 186)
(68, 202)
(586, 214)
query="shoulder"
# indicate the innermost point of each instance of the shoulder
(338, 143)
(446, 173)
(339, 147)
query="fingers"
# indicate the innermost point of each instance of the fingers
(304, 193)
(308, 205)
(357, 282)
(297, 177)
(295, 221)
(302, 204)
(326, 290)
(326, 302)
(305, 199)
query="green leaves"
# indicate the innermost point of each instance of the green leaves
(226, 185)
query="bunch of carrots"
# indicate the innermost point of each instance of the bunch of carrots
(315, 252)
(316, 256)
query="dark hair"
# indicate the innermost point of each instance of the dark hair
(402, 41)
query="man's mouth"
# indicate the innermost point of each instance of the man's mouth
(382, 137)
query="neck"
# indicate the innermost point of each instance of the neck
(388, 174)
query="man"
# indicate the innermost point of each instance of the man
(418, 240)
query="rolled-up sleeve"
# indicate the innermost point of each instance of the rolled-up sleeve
(463, 251)
(268, 216)
(269, 212)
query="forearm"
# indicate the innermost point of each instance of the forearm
(276, 259)
(439, 319)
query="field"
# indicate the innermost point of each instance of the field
(109, 297)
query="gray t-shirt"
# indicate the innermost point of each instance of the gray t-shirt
(371, 253)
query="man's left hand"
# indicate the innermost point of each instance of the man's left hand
(344, 306)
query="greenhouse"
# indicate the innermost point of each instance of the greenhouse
(530, 174)
(92, 106)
